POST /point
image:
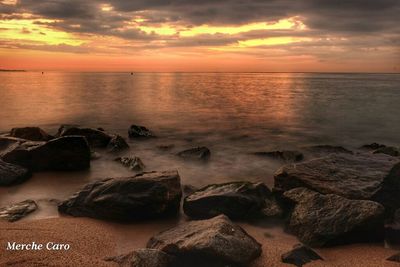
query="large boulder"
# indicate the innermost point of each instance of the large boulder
(31, 133)
(64, 153)
(203, 243)
(144, 196)
(392, 230)
(143, 258)
(17, 211)
(95, 138)
(363, 176)
(197, 154)
(12, 174)
(300, 255)
(137, 131)
(237, 200)
(326, 220)
(285, 155)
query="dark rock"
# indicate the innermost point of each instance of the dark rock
(300, 255)
(392, 230)
(17, 211)
(144, 196)
(64, 153)
(117, 143)
(326, 220)
(237, 200)
(137, 131)
(373, 146)
(327, 149)
(203, 243)
(272, 209)
(364, 176)
(285, 155)
(95, 138)
(30, 133)
(12, 174)
(9, 143)
(395, 257)
(388, 150)
(198, 153)
(134, 163)
(189, 189)
(143, 258)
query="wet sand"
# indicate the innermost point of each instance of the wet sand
(93, 240)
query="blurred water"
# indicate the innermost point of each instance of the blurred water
(231, 113)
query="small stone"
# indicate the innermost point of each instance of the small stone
(17, 211)
(300, 255)
(133, 163)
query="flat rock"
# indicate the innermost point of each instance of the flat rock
(63, 154)
(325, 220)
(95, 138)
(137, 131)
(395, 257)
(285, 155)
(363, 176)
(143, 258)
(205, 242)
(300, 255)
(17, 211)
(133, 163)
(144, 196)
(237, 200)
(31, 133)
(12, 174)
(117, 143)
(197, 154)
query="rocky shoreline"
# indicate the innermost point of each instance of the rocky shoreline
(324, 195)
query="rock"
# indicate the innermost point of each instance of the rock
(117, 143)
(300, 255)
(388, 150)
(392, 230)
(30, 133)
(373, 146)
(325, 220)
(363, 176)
(61, 154)
(144, 196)
(9, 143)
(143, 258)
(203, 243)
(272, 209)
(189, 189)
(395, 257)
(327, 149)
(198, 153)
(166, 147)
(134, 163)
(285, 155)
(17, 211)
(12, 174)
(237, 200)
(137, 131)
(95, 138)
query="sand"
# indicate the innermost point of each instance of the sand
(93, 240)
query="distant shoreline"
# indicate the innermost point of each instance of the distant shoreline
(12, 70)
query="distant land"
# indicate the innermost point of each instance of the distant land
(12, 70)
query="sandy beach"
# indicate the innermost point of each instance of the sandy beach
(92, 240)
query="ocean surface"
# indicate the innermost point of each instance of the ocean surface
(233, 114)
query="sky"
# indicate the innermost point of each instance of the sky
(201, 35)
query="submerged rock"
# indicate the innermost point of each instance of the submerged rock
(326, 220)
(31, 133)
(237, 200)
(197, 153)
(12, 174)
(364, 176)
(300, 255)
(395, 257)
(133, 163)
(144, 196)
(61, 154)
(205, 242)
(95, 138)
(143, 258)
(117, 143)
(137, 131)
(285, 155)
(17, 211)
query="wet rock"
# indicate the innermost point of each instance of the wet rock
(61, 154)
(31, 133)
(143, 196)
(12, 174)
(9, 143)
(237, 200)
(197, 153)
(395, 257)
(325, 220)
(189, 189)
(137, 131)
(388, 150)
(373, 146)
(272, 209)
(364, 176)
(95, 138)
(300, 255)
(327, 149)
(143, 258)
(117, 143)
(207, 242)
(133, 163)
(392, 230)
(17, 211)
(285, 155)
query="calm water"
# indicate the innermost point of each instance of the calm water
(232, 114)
